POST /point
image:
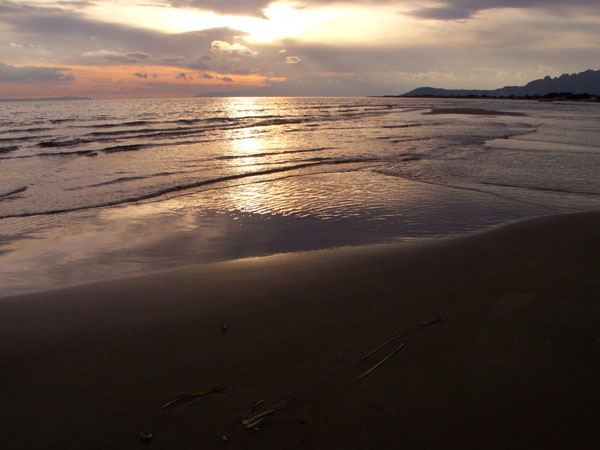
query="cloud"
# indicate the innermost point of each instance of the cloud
(546, 70)
(311, 87)
(181, 76)
(141, 75)
(235, 48)
(255, 8)
(225, 79)
(444, 13)
(77, 40)
(433, 76)
(67, 36)
(235, 7)
(28, 74)
(510, 42)
(172, 60)
(438, 10)
(464, 9)
(197, 64)
(121, 57)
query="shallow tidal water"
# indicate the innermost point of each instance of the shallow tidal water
(100, 189)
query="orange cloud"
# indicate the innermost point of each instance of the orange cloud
(135, 81)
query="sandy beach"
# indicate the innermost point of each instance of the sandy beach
(473, 111)
(500, 332)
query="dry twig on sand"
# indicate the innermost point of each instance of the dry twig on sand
(389, 341)
(192, 395)
(405, 333)
(250, 421)
(364, 374)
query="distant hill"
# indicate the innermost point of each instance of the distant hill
(46, 99)
(587, 82)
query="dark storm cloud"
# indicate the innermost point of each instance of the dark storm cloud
(27, 74)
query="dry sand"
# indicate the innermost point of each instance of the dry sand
(514, 364)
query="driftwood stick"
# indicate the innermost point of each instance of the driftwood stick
(252, 408)
(192, 395)
(405, 333)
(431, 322)
(389, 341)
(364, 374)
(251, 422)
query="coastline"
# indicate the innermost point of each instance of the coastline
(558, 97)
(513, 364)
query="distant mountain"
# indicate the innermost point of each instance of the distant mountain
(587, 82)
(46, 99)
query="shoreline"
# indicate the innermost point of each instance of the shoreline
(398, 241)
(550, 98)
(513, 363)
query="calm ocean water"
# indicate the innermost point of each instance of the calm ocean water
(99, 189)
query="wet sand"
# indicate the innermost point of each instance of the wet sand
(513, 364)
(474, 112)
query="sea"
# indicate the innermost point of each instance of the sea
(101, 189)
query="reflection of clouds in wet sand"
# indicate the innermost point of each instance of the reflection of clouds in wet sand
(108, 243)
(473, 111)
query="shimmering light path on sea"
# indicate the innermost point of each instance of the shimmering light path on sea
(98, 189)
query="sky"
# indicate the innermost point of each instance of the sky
(180, 48)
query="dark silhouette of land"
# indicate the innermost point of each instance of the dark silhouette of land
(584, 86)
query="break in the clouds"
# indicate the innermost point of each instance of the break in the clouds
(27, 74)
(302, 47)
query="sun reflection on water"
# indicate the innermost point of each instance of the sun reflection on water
(257, 196)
